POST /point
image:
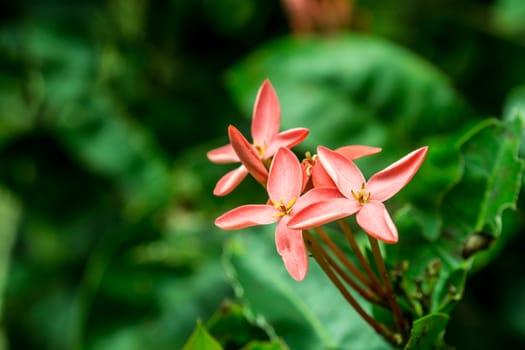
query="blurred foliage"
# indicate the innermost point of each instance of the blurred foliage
(106, 211)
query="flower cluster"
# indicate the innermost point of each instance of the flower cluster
(303, 195)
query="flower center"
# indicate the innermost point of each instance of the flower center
(361, 196)
(261, 150)
(309, 162)
(284, 209)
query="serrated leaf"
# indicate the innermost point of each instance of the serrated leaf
(426, 330)
(201, 340)
(307, 315)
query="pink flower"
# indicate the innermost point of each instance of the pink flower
(319, 177)
(365, 199)
(284, 190)
(266, 140)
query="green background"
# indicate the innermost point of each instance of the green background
(107, 109)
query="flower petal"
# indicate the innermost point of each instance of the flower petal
(223, 155)
(357, 151)
(266, 115)
(247, 155)
(246, 216)
(307, 184)
(288, 139)
(318, 194)
(230, 181)
(375, 220)
(285, 178)
(321, 213)
(290, 246)
(345, 173)
(320, 177)
(390, 180)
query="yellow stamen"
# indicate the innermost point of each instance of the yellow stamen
(310, 161)
(283, 209)
(261, 150)
(361, 196)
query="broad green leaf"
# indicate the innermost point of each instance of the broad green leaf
(201, 340)
(490, 182)
(469, 214)
(307, 315)
(426, 330)
(350, 89)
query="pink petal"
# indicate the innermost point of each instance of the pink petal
(345, 173)
(266, 115)
(288, 139)
(320, 177)
(285, 178)
(290, 246)
(306, 178)
(318, 194)
(230, 181)
(246, 216)
(321, 213)
(357, 151)
(389, 181)
(223, 155)
(375, 220)
(247, 155)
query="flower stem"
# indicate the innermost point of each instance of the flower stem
(365, 293)
(375, 283)
(317, 251)
(401, 323)
(341, 256)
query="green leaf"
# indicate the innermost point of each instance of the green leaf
(307, 315)
(230, 326)
(426, 330)
(350, 89)
(490, 182)
(467, 219)
(201, 340)
(514, 107)
(515, 103)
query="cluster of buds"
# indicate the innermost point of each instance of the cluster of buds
(306, 194)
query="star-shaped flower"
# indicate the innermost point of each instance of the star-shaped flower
(365, 199)
(266, 140)
(284, 191)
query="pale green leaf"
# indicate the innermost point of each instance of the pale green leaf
(201, 340)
